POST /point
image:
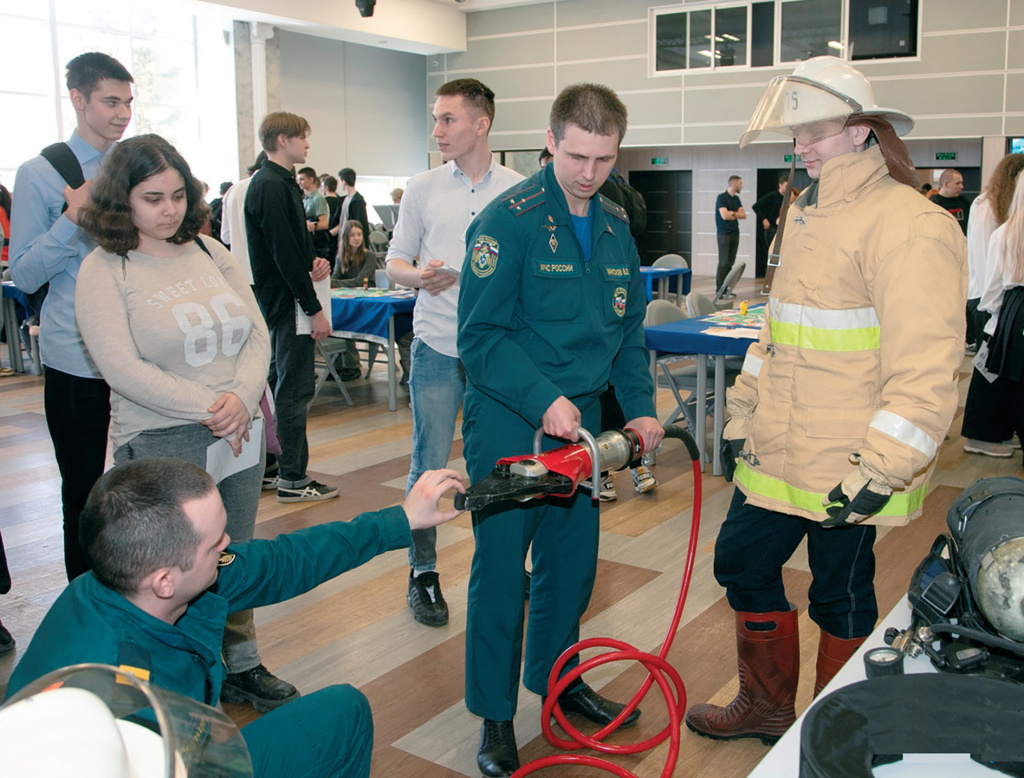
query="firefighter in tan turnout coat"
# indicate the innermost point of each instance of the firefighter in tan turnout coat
(844, 400)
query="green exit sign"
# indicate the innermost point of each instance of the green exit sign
(788, 158)
(945, 156)
(659, 160)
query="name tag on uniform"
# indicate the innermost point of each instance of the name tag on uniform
(616, 272)
(549, 268)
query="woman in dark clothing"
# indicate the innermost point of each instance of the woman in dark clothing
(355, 265)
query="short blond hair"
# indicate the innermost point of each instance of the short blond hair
(281, 123)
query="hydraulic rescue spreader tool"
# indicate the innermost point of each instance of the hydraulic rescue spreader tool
(554, 473)
(558, 473)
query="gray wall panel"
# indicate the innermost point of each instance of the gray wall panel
(497, 52)
(521, 82)
(348, 93)
(1015, 92)
(655, 108)
(730, 136)
(619, 74)
(957, 95)
(650, 136)
(721, 105)
(1016, 12)
(525, 115)
(1015, 58)
(958, 127)
(945, 15)
(522, 19)
(1014, 125)
(595, 42)
(581, 12)
(518, 140)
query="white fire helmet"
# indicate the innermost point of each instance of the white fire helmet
(820, 95)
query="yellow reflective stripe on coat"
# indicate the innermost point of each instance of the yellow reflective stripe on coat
(817, 329)
(900, 504)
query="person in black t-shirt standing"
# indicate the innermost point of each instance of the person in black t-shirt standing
(951, 184)
(728, 212)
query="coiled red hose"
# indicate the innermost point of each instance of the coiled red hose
(659, 671)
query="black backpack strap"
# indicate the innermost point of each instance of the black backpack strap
(64, 162)
(202, 245)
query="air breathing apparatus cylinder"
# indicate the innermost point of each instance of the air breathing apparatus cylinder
(986, 524)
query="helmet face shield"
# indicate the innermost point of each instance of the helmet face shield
(798, 107)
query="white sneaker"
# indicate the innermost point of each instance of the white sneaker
(607, 492)
(643, 480)
(999, 450)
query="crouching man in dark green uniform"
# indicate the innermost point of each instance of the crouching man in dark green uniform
(551, 308)
(164, 579)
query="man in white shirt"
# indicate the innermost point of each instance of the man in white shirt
(426, 253)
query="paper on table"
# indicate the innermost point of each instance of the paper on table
(733, 332)
(221, 461)
(303, 324)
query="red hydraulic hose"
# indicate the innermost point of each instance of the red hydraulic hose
(659, 671)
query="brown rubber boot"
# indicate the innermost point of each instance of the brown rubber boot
(833, 653)
(769, 662)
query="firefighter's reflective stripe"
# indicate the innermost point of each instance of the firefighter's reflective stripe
(904, 431)
(851, 329)
(900, 504)
(752, 365)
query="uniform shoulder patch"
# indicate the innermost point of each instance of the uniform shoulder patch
(225, 559)
(485, 256)
(522, 200)
(614, 209)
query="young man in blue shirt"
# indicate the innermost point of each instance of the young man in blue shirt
(47, 247)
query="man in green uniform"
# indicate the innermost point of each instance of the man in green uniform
(164, 578)
(551, 309)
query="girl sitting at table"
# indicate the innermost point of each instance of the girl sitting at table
(354, 267)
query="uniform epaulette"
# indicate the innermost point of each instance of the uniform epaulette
(613, 208)
(525, 199)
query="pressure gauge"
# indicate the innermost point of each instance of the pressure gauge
(883, 661)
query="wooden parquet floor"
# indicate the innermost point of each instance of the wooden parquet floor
(358, 628)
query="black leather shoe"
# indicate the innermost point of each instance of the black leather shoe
(264, 690)
(6, 640)
(498, 755)
(593, 707)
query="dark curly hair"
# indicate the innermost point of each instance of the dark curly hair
(108, 216)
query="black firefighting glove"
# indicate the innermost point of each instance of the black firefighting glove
(728, 453)
(854, 500)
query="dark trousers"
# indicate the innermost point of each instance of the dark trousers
(78, 417)
(564, 537)
(293, 382)
(976, 321)
(754, 544)
(728, 245)
(326, 733)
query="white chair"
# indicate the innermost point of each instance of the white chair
(378, 244)
(699, 305)
(727, 285)
(671, 260)
(323, 363)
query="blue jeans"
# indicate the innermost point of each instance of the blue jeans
(754, 544)
(241, 496)
(436, 385)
